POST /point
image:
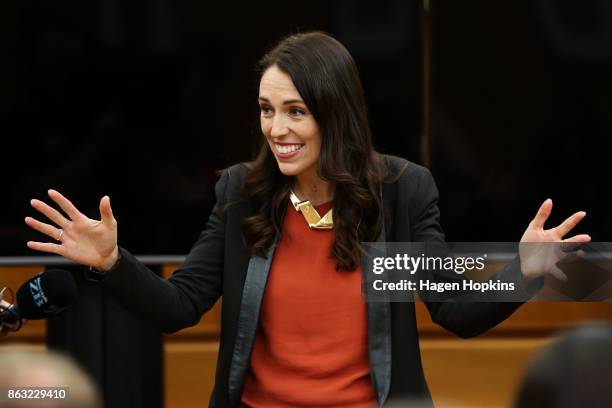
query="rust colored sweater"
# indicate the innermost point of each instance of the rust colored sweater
(310, 349)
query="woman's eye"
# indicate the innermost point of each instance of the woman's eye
(265, 110)
(297, 112)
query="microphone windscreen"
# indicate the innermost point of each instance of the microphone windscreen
(46, 294)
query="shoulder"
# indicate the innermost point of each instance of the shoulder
(236, 174)
(230, 186)
(408, 186)
(401, 172)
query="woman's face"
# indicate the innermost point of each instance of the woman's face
(291, 130)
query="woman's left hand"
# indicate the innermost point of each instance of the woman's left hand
(537, 260)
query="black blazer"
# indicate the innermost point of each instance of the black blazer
(219, 265)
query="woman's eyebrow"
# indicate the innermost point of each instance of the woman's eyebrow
(287, 102)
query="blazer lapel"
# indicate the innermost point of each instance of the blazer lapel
(252, 295)
(379, 342)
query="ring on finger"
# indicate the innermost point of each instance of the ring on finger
(59, 237)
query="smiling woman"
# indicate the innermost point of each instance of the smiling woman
(283, 247)
(289, 127)
(319, 145)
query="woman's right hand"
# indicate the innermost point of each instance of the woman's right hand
(80, 239)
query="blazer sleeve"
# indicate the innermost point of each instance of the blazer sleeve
(419, 194)
(192, 289)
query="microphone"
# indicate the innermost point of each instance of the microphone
(43, 295)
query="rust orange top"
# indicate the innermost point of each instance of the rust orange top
(310, 349)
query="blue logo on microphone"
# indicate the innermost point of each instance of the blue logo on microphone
(37, 293)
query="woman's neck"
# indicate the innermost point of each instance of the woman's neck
(309, 186)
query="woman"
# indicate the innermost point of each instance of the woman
(282, 246)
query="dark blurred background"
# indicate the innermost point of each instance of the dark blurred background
(521, 105)
(508, 102)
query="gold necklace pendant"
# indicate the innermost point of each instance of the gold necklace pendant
(312, 217)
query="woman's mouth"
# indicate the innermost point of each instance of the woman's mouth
(287, 150)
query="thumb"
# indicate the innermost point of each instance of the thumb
(106, 212)
(557, 273)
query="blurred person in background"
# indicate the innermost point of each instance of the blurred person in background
(22, 368)
(574, 371)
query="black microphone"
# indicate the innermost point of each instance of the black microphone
(45, 294)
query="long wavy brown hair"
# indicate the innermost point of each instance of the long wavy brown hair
(327, 79)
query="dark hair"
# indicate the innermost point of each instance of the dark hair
(573, 371)
(327, 79)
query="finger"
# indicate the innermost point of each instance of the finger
(50, 212)
(542, 214)
(569, 246)
(580, 239)
(65, 205)
(557, 273)
(569, 224)
(106, 212)
(46, 229)
(572, 243)
(577, 256)
(45, 247)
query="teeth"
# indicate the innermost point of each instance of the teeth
(288, 148)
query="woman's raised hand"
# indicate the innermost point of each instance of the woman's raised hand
(541, 249)
(78, 238)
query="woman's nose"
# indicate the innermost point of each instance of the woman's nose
(279, 127)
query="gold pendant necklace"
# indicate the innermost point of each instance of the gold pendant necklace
(312, 217)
